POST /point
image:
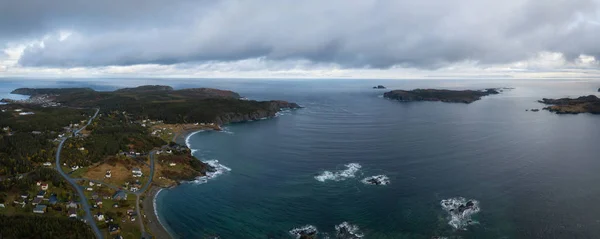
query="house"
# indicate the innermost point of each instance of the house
(98, 202)
(2, 205)
(114, 229)
(44, 186)
(36, 201)
(99, 216)
(119, 195)
(95, 195)
(108, 174)
(91, 183)
(172, 164)
(137, 172)
(134, 189)
(53, 200)
(39, 209)
(38, 183)
(71, 205)
(47, 164)
(25, 195)
(90, 189)
(81, 149)
(41, 194)
(72, 213)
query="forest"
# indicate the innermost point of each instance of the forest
(39, 227)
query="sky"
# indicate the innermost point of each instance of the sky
(301, 39)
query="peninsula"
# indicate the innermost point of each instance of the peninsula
(450, 96)
(97, 156)
(583, 104)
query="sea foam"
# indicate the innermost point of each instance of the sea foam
(349, 172)
(376, 180)
(219, 169)
(460, 211)
(306, 230)
(348, 231)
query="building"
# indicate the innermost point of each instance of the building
(108, 174)
(99, 216)
(36, 201)
(137, 172)
(47, 164)
(72, 213)
(98, 202)
(91, 183)
(71, 205)
(119, 195)
(41, 194)
(40, 209)
(114, 229)
(53, 200)
(44, 186)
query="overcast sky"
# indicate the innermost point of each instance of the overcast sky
(308, 38)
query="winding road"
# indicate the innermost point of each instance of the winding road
(84, 202)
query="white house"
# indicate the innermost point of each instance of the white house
(172, 164)
(44, 186)
(90, 189)
(137, 172)
(91, 183)
(108, 174)
(47, 164)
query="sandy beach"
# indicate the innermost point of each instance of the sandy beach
(153, 224)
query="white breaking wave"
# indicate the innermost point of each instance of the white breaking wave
(187, 139)
(376, 180)
(460, 211)
(226, 130)
(348, 231)
(349, 172)
(307, 230)
(219, 169)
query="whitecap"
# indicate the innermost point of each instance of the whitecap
(348, 231)
(187, 139)
(306, 230)
(376, 180)
(218, 168)
(349, 172)
(460, 211)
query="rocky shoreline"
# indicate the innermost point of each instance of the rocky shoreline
(583, 104)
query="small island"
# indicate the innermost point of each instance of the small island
(583, 104)
(379, 87)
(449, 96)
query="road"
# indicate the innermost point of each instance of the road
(84, 202)
(142, 190)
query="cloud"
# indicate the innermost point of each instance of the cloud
(365, 34)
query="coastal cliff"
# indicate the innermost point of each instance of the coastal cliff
(583, 104)
(450, 96)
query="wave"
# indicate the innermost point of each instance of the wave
(348, 231)
(349, 172)
(460, 211)
(376, 180)
(219, 169)
(306, 230)
(187, 138)
(226, 130)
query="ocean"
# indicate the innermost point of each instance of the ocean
(528, 174)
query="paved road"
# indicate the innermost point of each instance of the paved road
(84, 202)
(142, 190)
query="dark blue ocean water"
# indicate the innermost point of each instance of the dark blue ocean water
(534, 175)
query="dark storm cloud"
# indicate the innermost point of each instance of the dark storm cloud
(354, 34)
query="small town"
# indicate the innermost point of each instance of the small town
(110, 183)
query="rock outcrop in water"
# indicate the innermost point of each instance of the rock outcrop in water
(450, 96)
(583, 104)
(379, 87)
